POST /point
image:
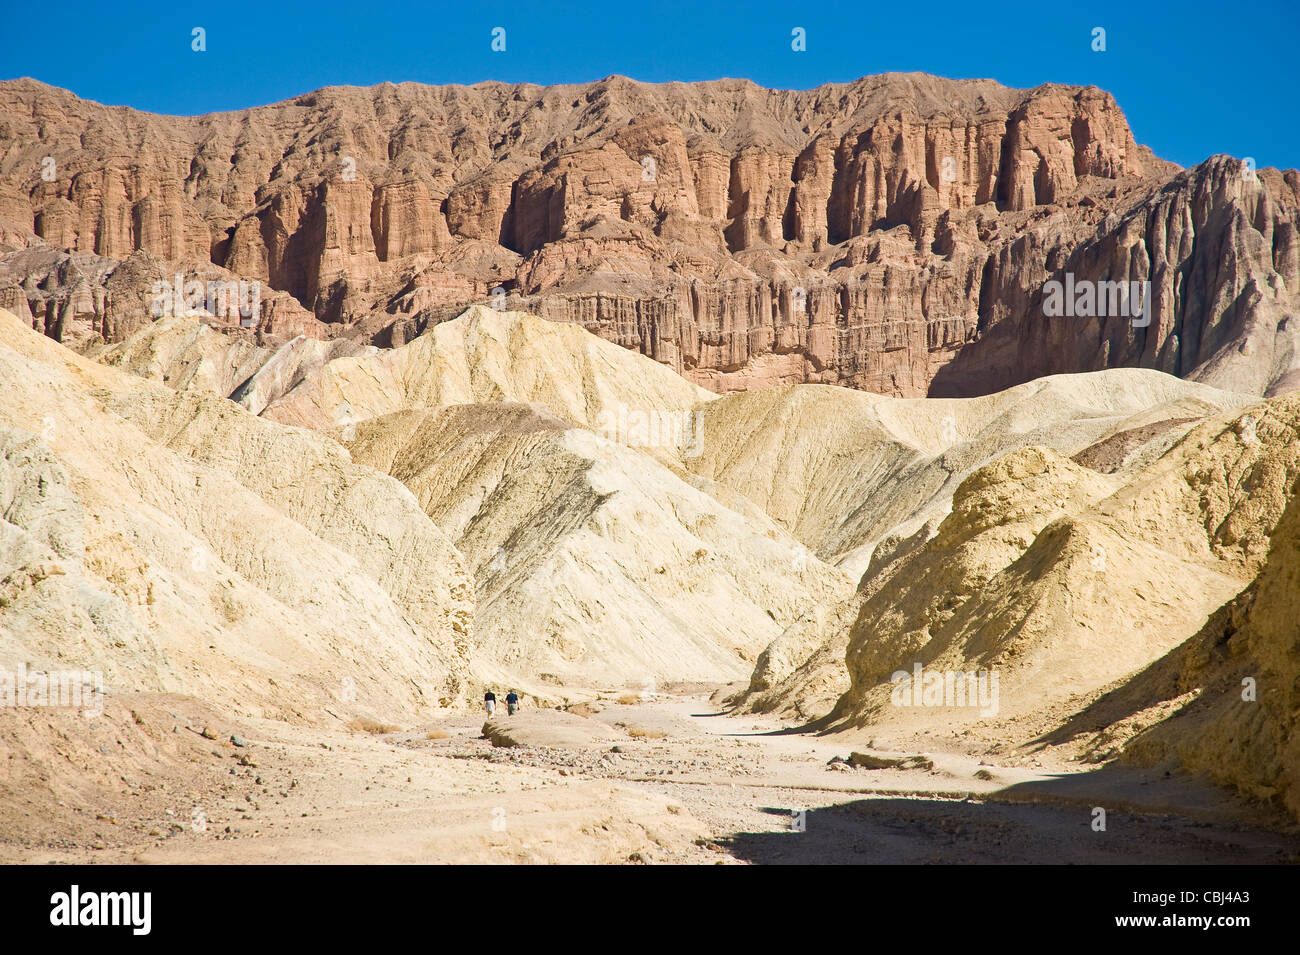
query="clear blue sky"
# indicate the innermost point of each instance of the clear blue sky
(1194, 78)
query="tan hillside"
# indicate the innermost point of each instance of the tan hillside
(855, 478)
(801, 673)
(1065, 580)
(188, 354)
(179, 544)
(487, 473)
(595, 565)
(842, 470)
(487, 355)
(1243, 735)
(1223, 701)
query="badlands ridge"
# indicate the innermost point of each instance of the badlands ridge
(361, 542)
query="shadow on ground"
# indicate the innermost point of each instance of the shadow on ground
(1048, 821)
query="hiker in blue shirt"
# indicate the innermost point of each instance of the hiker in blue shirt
(512, 702)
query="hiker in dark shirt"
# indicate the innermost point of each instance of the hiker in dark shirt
(489, 702)
(512, 702)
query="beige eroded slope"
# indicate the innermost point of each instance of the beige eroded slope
(187, 354)
(588, 601)
(177, 543)
(1246, 739)
(486, 356)
(848, 474)
(595, 565)
(1065, 580)
(839, 469)
(184, 353)
(863, 480)
(1224, 701)
(842, 469)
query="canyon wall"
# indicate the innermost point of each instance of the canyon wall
(865, 234)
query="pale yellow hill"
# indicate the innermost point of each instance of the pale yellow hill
(842, 469)
(186, 354)
(487, 356)
(177, 543)
(1062, 585)
(1234, 689)
(595, 565)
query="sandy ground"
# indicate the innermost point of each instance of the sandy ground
(688, 784)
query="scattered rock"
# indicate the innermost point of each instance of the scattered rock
(547, 728)
(867, 761)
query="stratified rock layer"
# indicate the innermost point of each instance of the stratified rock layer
(864, 234)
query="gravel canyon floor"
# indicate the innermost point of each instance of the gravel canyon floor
(676, 781)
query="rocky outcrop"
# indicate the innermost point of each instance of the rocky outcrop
(548, 728)
(868, 234)
(1220, 247)
(85, 300)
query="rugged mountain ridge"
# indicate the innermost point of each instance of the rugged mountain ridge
(864, 234)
